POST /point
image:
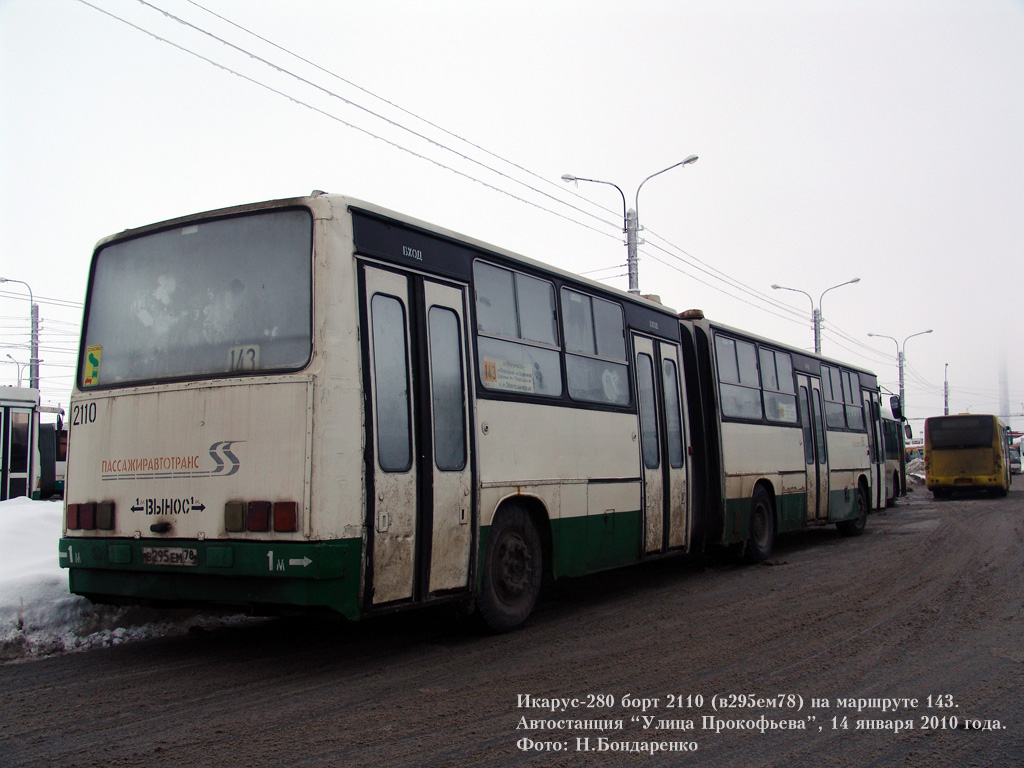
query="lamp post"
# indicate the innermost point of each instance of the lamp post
(19, 368)
(630, 218)
(816, 312)
(901, 358)
(33, 361)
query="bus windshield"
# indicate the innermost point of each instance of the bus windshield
(209, 298)
(961, 432)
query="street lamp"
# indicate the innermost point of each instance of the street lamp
(33, 362)
(901, 358)
(816, 313)
(19, 368)
(630, 218)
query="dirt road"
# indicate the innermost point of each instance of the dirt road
(903, 647)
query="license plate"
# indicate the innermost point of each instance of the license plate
(185, 556)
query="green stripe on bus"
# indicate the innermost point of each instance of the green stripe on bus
(791, 513)
(252, 572)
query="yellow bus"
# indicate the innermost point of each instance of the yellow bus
(969, 451)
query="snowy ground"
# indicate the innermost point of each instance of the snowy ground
(39, 616)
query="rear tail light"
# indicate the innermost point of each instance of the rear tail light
(105, 516)
(261, 516)
(72, 517)
(234, 516)
(239, 516)
(87, 516)
(285, 516)
(91, 516)
(257, 517)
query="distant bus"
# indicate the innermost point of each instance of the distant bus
(316, 403)
(895, 457)
(28, 460)
(968, 451)
(914, 448)
(19, 451)
(1015, 468)
(53, 459)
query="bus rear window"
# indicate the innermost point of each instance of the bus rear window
(212, 298)
(961, 432)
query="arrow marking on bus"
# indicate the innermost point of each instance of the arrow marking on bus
(303, 562)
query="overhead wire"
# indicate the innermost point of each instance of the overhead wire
(351, 103)
(398, 107)
(772, 306)
(708, 270)
(338, 119)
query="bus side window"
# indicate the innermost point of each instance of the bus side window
(391, 379)
(448, 397)
(517, 332)
(673, 414)
(805, 423)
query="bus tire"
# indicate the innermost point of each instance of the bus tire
(762, 527)
(897, 491)
(512, 571)
(856, 526)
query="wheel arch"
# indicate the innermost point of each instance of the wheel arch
(536, 508)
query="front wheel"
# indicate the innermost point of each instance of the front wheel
(512, 571)
(856, 526)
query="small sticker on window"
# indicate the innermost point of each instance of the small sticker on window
(91, 368)
(509, 375)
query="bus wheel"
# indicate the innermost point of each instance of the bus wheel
(855, 527)
(512, 571)
(762, 527)
(896, 490)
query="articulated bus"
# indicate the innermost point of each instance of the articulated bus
(968, 451)
(316, 403)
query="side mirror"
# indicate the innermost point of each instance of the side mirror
(908, 431)
(897, 407)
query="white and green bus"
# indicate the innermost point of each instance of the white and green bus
(316, 403)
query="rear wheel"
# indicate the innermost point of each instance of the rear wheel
(856, 526)
(512, 571)
(762, 527)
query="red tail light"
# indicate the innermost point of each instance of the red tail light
(286, 516)
(257, 517)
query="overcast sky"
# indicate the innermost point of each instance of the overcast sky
(880, 140)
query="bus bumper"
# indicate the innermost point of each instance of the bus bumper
(254, 575)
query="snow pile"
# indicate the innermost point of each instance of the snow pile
(915, 471)
(39, 616)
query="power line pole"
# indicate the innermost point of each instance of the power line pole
(945, 411)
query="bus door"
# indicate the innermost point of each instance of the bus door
(662, 443)
(419, 488)
(812, 422)
(16, 455)
(876, 449)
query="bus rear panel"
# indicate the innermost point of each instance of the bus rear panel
(966, 452)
